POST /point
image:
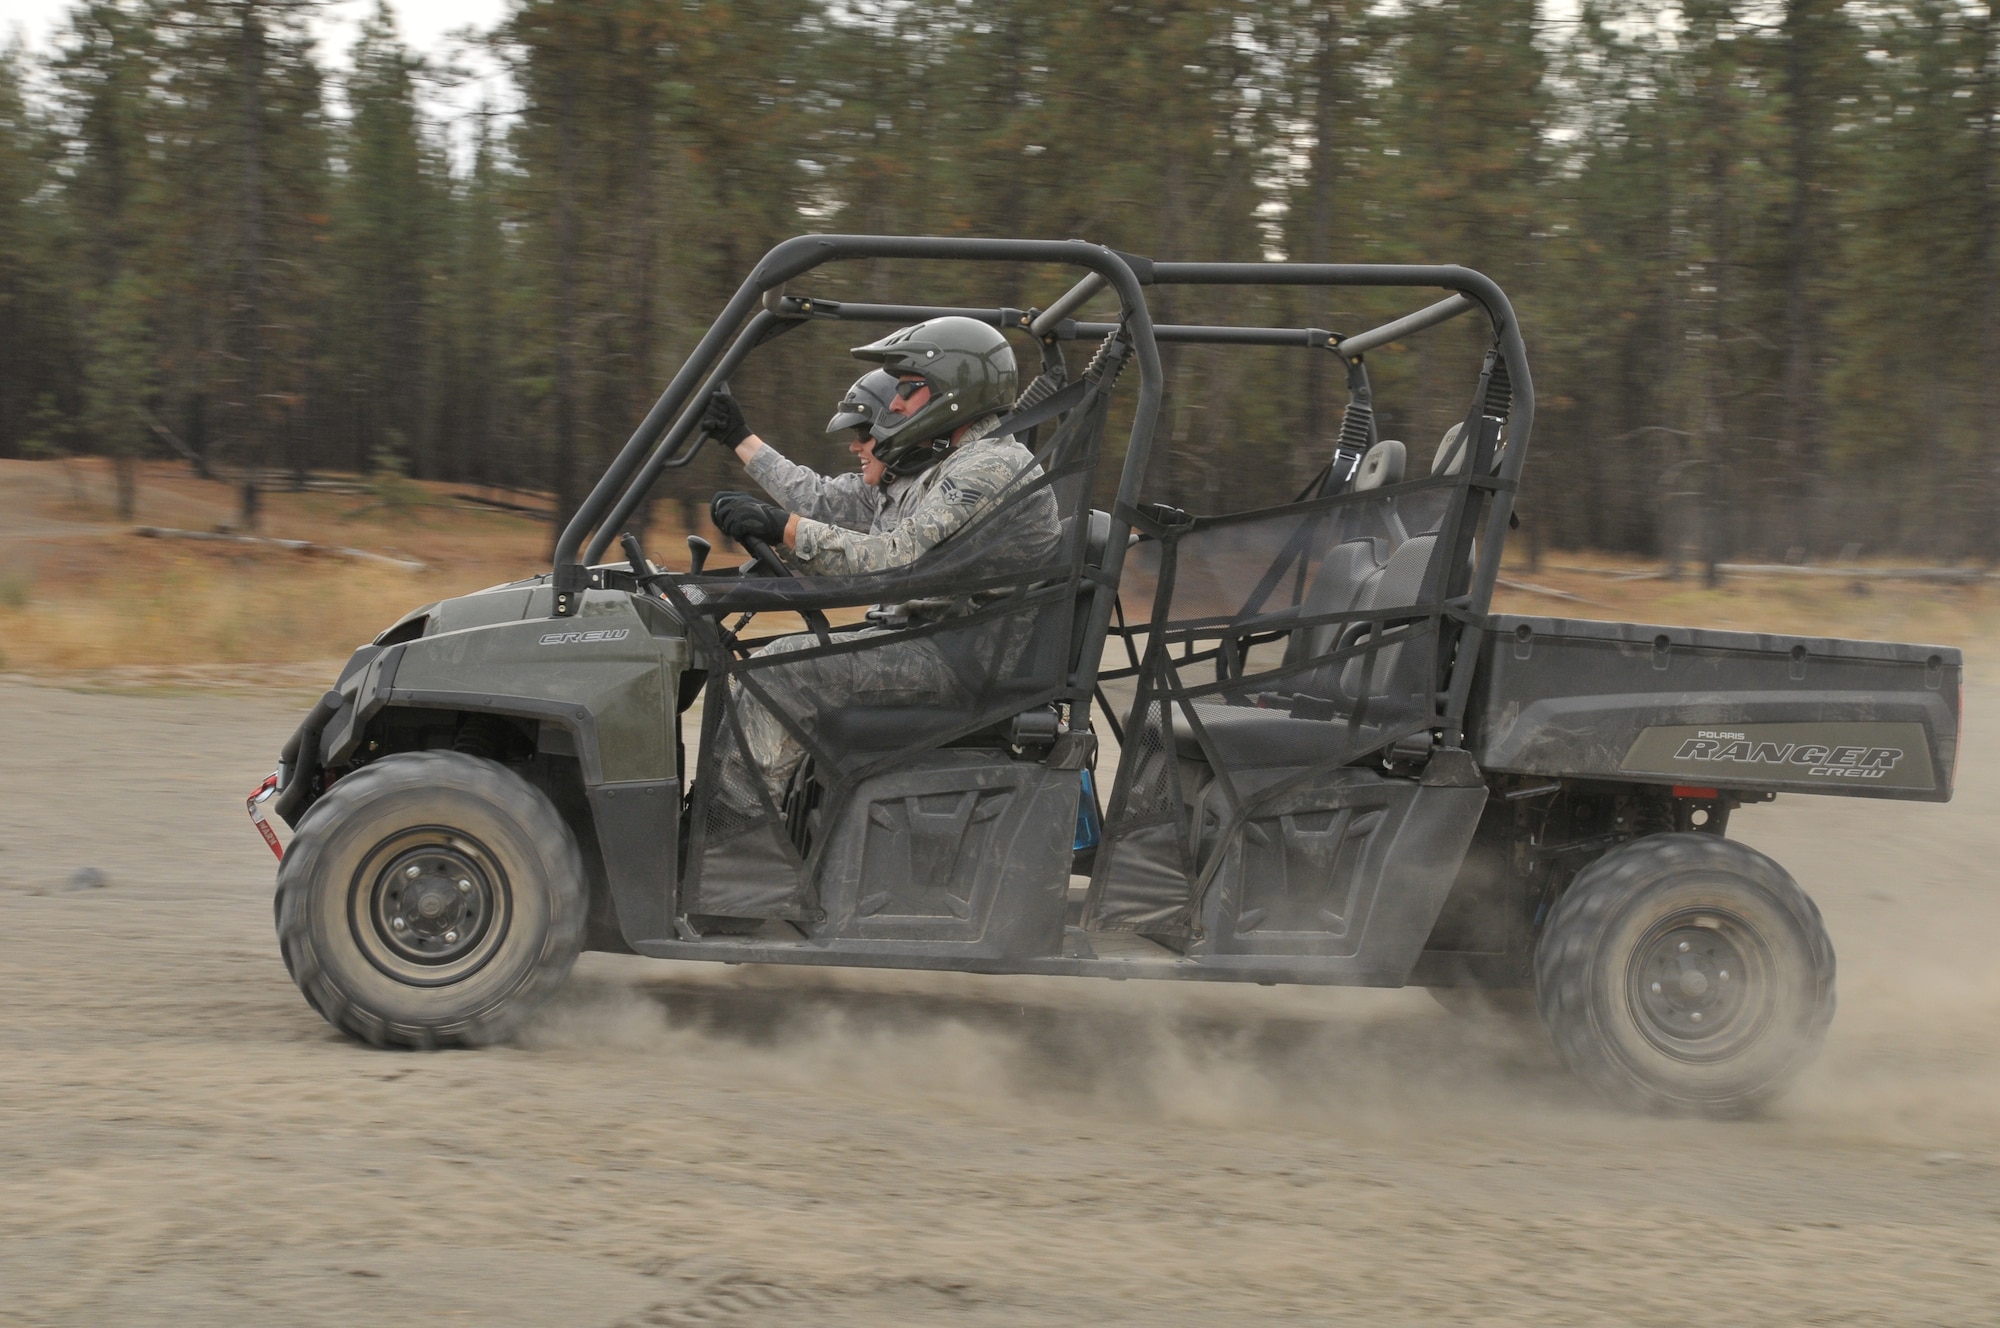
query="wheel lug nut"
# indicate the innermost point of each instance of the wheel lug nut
(1684, 947)
(1656, 988)
(398, 923)
(465, 887)
(450, 936)
(1696, 1016)
(413, 871)
(1724, 975)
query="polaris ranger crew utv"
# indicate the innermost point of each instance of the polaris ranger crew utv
(1333, 764)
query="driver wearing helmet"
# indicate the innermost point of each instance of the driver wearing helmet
(942, 468)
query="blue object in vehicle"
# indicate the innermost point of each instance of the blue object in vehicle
(1086, 817)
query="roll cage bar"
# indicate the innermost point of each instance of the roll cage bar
(760, 310)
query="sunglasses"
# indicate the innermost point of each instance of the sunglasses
(909, 387)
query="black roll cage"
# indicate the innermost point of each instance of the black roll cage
(760, 310)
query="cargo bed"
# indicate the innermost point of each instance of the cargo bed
(1739, 711)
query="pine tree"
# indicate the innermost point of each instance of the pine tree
(107, 66)
(385, 237)
(38, 320)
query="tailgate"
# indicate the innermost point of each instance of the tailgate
(1733, 710)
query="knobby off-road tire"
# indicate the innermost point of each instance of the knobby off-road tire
(431, 899)
(1684, 972)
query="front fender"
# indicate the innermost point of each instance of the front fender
(601, 686)
(607, 675)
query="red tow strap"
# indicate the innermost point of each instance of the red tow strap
(255, 804)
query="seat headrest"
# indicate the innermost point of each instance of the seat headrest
(1450, 458)
(1096, 538)
(1381, 464)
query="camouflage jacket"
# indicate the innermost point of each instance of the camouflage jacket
(941, 501)
(839, 500)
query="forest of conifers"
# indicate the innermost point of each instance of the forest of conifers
(1753, 246)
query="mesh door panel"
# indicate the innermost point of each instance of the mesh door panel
(1283, 644)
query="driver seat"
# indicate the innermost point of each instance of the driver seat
(886, 728)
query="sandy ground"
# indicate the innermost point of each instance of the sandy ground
(183, 1141)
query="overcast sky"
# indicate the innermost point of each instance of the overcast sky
(423, 22)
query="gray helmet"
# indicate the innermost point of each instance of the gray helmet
(970, 369)
(865, 403)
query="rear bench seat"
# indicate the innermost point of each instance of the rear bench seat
(1357, 575)
(1245, 736)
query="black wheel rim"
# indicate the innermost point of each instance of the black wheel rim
(1700, 985)
(430, 906)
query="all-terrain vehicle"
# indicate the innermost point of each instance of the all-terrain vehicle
(1333, 764)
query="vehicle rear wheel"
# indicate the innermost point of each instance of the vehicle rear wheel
(1686, 972)
(431, 899)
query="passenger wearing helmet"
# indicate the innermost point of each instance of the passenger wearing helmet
(855, 500)
(954, 379)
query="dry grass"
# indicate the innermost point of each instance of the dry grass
(182, 610)
(79, 594)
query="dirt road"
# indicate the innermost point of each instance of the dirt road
(183, 1141)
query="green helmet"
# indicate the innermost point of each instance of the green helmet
(866, 402)
(970, 369)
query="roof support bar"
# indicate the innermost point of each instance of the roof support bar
(1442, 312)
(1067, 303)
(1312, 338)
(793, 259)
(854, 311)
(805, 307)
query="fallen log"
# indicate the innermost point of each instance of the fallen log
(1954, 575)
(498, 505)
(1549, 591)
(1958, 575)
(306, 547)
(1614, 573)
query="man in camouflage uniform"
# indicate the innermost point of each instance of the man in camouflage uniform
(938, 477)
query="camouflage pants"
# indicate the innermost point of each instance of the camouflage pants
(911, 672)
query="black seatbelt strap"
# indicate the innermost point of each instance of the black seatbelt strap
(1042, 412)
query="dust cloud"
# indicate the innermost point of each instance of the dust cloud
(1158, 1052)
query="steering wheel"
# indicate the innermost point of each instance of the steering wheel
(768, 563)
(766, 559)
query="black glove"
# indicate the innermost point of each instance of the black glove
(722, 418)
(742, 517)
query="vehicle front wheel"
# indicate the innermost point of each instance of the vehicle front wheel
(1686, 972)
(431, 899)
